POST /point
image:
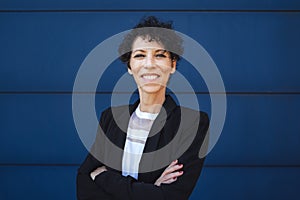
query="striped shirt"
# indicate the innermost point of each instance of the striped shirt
(138, 130)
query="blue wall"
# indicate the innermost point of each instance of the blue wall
(255, 44)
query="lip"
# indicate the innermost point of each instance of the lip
(150, 76)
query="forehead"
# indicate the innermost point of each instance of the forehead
(145, 44)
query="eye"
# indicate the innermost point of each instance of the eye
(139, 56)
(160, 55)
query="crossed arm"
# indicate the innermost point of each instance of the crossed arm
(100, 183)
(176, 182)
(169, 175)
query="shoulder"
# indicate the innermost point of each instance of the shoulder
(191, 116)
(188, 123)
(193, 125)
(117, 115)
(110, 111)
(118, 111)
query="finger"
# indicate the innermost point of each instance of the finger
(169, 181)
(172, 163)
(172, 175)
(173, 169)
(100, 169)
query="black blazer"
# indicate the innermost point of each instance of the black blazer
(182, 129)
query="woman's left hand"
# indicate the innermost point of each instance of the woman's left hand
(170, 174)
(97, 171)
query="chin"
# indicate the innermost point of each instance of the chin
(152, 89)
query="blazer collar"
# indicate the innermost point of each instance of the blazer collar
(124, 112)
(156, 135)
(168, 106)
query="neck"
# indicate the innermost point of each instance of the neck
(151, 103)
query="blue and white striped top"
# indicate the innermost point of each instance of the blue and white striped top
(138, 130)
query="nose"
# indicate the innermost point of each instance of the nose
(149, 61)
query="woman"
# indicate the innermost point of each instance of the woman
(155, 121)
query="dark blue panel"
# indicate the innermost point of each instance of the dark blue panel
(54, 182)
(38, 182)
(255, 52)
(149, 5)
(259, 130)
(38, 129)
(248, 184)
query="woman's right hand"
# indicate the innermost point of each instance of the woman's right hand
(170, 174)
(97, 171)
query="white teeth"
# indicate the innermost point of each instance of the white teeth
(150, 77)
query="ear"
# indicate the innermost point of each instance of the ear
(174, 62)
(129, 71)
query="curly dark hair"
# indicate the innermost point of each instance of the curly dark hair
(152, 29)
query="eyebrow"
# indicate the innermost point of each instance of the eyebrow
(158, 50)
(163, 50)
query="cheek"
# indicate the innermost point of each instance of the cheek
(167, 69)
(134, 65)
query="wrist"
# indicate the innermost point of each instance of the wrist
(96, 172)
(93, 175)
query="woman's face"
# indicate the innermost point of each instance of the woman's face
(151, 65)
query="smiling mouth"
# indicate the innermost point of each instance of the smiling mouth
(150, 77)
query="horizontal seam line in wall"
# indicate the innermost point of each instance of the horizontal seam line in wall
(250, 166)
(153, 10)
(207, 166)
(38, 164)
(179, 92)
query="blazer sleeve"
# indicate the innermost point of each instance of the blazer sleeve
(86, 188)
(128, 188)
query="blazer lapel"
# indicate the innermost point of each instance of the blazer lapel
(157, 136)
(157, 139)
